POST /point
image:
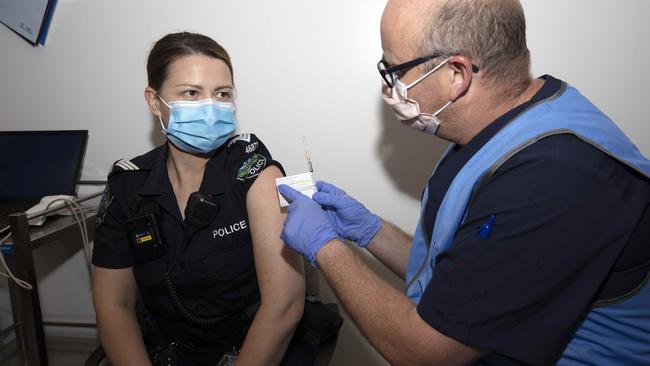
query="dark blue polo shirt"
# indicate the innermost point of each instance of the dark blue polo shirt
(564, 213)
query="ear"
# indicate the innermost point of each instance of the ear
(150, 95)
(462, 76)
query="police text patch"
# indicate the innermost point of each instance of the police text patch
(251, 167)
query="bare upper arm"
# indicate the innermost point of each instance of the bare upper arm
(279, 269)
(114, 287)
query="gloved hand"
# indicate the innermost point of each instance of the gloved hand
(351, 219)
(307, 227)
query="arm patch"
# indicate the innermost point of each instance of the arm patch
(251, 167)
(107, 199)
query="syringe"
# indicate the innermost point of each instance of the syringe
(304, 183)
(304, 142)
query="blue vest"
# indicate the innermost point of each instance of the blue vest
(567, 112)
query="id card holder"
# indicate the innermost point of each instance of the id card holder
(144, 238)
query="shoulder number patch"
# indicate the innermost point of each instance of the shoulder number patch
(251, 167)
(251, 147)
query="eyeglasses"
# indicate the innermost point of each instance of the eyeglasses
(387, 72)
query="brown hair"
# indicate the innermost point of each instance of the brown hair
(492, 33)
(176, 45)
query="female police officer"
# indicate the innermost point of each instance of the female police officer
(194, 225)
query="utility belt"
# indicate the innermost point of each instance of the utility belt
(167, 343)
(320, 323)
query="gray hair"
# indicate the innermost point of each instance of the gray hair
(491, 33)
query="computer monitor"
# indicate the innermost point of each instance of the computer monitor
(34, 164)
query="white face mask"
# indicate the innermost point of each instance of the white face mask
(408, 110)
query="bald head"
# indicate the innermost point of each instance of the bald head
(405, 12)
(402, 24)
(491, 33)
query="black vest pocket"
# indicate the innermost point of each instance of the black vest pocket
(230, 262)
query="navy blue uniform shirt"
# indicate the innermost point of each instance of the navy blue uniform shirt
(215, 272)
(564, 212)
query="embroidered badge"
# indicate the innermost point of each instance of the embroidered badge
(107, 199)
(251, 167)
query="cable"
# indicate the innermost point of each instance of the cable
(22, 283)
(187, 314)
(79, 216)
(175, 297)
(199, 212)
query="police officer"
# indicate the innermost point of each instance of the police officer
(532, 246)
(194, 225)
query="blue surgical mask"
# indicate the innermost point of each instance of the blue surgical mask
(200, 126)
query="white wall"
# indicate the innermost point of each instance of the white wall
(301, 68)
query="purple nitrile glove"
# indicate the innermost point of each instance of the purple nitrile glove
(307, 227)
(351, 219)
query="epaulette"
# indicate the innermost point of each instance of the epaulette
(248, 142)
(123, 165)
(139, 163)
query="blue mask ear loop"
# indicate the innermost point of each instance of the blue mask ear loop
(162, 125)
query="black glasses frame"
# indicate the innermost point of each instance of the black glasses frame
(387, 71)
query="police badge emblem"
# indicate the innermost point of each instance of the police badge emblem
(251, 167)
(107, 199)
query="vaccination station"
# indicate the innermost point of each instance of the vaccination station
(312, 183)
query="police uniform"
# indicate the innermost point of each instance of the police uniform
(213, 272)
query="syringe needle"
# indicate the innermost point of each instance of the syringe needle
(304, 142)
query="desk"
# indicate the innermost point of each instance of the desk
(28, 321)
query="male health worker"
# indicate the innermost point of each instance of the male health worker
(533, 244)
